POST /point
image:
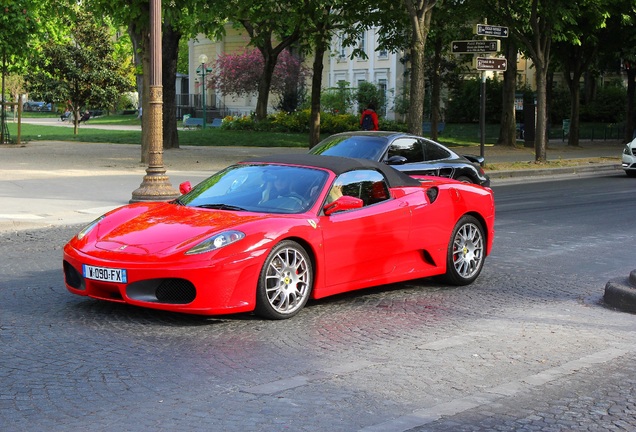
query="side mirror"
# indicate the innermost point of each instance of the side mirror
(185, 187)
(396, 160)
(343, 203)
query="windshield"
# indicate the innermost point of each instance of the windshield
(259, 188)
(363, 147)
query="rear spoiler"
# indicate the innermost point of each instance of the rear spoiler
(475, 159)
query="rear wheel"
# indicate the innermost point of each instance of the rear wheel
(464, 179)
(466, 252)
(285, 281)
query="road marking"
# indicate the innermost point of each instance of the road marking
(301, 380)
(429, 415)
(20, 216)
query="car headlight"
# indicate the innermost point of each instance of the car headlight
(627, 150)
(217, 241)
(88, 228)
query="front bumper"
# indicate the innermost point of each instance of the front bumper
(190, 285)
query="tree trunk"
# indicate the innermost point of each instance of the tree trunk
(264, 85)
(540, 132)
(575, 107)
(140, 40)
(316, 87)
(436, 87)
(630, 124)
(508, 131)
(420, 16)
(170, 54)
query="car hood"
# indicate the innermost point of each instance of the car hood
(160, 229)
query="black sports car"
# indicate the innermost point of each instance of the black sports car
(407, 153)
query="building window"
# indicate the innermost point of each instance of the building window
(342, 50)
(362, 43)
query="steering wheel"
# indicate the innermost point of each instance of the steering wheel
(297, 198)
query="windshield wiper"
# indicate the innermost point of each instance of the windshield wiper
(221, 207)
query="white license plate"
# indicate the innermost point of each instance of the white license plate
(104, 274)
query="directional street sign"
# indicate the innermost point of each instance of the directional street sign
(475, 46)
(490, 30)
(491, 64)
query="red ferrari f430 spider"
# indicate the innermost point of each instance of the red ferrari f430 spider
(265, 235)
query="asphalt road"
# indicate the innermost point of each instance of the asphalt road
(528, 347)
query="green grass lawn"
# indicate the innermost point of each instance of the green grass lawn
(195, 137)
(454, 135)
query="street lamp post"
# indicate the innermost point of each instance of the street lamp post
(156, 184)
(202, 70)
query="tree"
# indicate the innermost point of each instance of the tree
(420, 13)
(395, 18)
(327, 19)
(619, 55)
(183, 20)
(273, 27)
(18, 26)
(575, 54)
(508, 130)
(447, 24)
(81, 71)
(240, 74)
(535, 24)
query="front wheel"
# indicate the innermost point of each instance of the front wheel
(285, 281)
(466, 252)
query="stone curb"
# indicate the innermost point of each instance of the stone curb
(621, 293)
(585, 169)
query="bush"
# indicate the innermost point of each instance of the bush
(335, 123)
(607, 107)
(337, 100)
(370, 94)
(297, 121)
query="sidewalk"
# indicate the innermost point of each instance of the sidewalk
(48, 183)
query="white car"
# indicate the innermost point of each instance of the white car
(629, 158)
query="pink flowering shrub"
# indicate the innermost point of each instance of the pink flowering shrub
(239, 74)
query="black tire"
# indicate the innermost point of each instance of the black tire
(466, 252)
(630, 173)
(285, 282)
(465, 179)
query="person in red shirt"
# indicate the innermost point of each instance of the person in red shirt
(369, 119)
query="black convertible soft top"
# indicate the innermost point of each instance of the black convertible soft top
(340, 165)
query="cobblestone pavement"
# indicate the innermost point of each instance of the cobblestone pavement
(524, 348)
(518, 350)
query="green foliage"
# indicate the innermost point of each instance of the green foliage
(559, 105)
(608, 105)
(82, 71)
(337, 100)
(402, 103)
(18, 25)
(297, 122)
(464, 101)
(335, 123)
(368, 94)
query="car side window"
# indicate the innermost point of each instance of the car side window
(368, 185)
(434, 151)
(409, 148)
